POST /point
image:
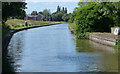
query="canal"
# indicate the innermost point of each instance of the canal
(55, 49)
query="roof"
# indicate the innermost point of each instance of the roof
(29, 15)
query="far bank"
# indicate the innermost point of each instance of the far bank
(104, 38)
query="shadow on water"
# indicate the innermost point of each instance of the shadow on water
(14, 54)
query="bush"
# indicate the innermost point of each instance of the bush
(82, 35)
(95, 17)
(118, 43)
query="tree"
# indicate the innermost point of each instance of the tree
(72, 17)
(58, 9)
(96, 16)
(117, 13)
(47, 14)
(66, 17)
(65, 10)
(13, 9)
(34, 13)
(60, 15)
(57, 16)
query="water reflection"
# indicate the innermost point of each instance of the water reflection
(55, 49)
(108, 60)
(15, 49)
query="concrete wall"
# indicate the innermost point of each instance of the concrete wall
(105, 41)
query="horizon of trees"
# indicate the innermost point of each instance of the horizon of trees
(59, 15)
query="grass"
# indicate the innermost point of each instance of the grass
(13, 24)
(17, 24)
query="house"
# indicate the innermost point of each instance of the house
(31, 17)
(38, 17)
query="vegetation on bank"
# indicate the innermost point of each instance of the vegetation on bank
(11, 10)
(72, 26)
(95, 17)
(117, 44)
(17, 24)
(14, 19)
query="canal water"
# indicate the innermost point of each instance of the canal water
(55, 49)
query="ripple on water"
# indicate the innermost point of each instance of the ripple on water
(85, 62)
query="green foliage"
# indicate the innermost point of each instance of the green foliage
(72, 26)
(58, 9)
(117, 13)
(60, 14)
(72, 17)
(95, 17)
(82, 35)
(13, 10)
(117, 44)
(34, 13)
(47, 14)
(57, 16)
(5, 29)
(65, 10)
(66, 17)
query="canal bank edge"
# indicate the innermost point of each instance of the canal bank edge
(6, 39)
(113, 42)
(105, 41)
(101, 40)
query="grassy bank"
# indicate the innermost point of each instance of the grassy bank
(13, 24)
(17, 24)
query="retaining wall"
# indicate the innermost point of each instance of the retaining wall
(105, 41)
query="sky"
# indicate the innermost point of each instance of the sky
(52, 1)
(38, 6)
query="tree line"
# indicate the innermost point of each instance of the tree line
(17, 10)
(88, 17)
(60, 14)
(95, 17)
